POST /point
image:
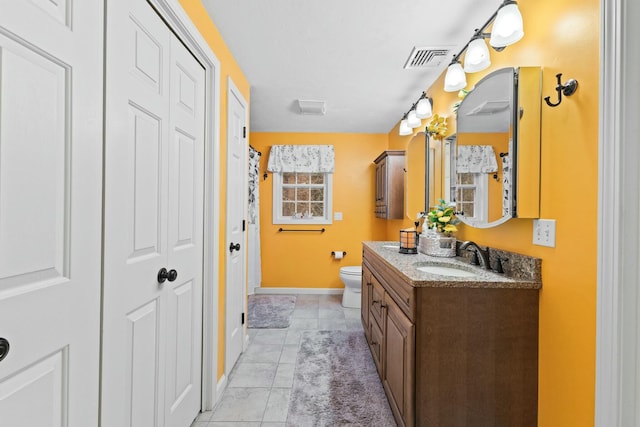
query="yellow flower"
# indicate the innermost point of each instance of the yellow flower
(450, 228)
(444, 219)
(440, 213)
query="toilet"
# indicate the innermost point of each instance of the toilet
(351, 276)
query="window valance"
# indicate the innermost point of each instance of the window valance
(476, 159)
(301, 158)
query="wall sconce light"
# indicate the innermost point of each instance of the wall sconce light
(506, 30)
(412, 119)
(507, 27)
(424, 107)
(455, 79)
(405, 129)
(477, 57)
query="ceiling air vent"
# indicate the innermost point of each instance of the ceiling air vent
(427, 57)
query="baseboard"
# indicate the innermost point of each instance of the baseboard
(222, 385)
(307, 291)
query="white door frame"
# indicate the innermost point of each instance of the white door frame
(617, 402)
(177, 19)
(235, 92)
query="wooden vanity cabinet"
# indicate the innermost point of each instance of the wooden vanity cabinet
(452, 356)
(390, 184)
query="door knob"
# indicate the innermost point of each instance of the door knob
(169, 275)
(233, 247)
(4, 348)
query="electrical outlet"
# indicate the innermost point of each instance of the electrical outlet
(544, 232)
(337, 216)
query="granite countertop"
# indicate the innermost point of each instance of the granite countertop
(405, 264)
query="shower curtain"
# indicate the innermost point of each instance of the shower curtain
(255, 267)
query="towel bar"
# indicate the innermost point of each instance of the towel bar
(283, 229)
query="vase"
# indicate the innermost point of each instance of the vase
(435, 243)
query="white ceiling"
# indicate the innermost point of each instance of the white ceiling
(349, 53)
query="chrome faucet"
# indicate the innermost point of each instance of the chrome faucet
(480, 256)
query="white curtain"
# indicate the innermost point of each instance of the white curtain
(301, 158)
(476, 159)
(255, 264)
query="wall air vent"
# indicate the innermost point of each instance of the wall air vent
(427, 57)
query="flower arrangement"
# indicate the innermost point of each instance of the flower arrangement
(437, 127)
(442, 217)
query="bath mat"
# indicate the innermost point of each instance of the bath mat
(270, 311)
(336, 383)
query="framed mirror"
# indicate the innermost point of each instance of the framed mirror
(493, 169)
(424, 174)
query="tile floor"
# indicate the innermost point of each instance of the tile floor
(257, 394)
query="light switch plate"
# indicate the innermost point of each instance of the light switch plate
(337, 216)
(544, 232)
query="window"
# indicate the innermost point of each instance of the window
(302, 198)
(468, 187)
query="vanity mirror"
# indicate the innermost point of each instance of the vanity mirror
(493, 171)
(422, 189)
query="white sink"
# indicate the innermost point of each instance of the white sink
(445, 271)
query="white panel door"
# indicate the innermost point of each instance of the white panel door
(50, 211)
(185, 238)
(237, 176)
(153, 220)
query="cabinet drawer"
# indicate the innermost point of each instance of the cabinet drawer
(377, 300)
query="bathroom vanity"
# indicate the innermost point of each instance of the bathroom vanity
(458, 348)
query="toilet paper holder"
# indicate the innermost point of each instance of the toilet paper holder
(334, 252)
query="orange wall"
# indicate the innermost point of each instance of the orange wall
(228, 68)
(561, 36)
(303, 260)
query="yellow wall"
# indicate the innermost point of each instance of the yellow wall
(561, 36)
(303, 260)
(228, 68)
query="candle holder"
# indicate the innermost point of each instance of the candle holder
(408, 242)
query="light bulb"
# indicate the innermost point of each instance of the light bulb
(412, 119)
(423, 109)
(455, 79)
(477, 57)
(405, 129)
(507, 27)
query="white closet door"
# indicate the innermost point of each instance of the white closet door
(185, 238)
(153, 221)
(50, 211)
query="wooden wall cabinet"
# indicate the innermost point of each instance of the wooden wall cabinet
(452, 356)
(390, 167)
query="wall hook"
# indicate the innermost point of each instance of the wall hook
(265, 176)
(568, 89)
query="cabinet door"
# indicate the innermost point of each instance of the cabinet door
(376, 345)
(399, 361)
(366, 301)
(381, 189)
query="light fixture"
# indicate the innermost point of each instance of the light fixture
(312, 107)
(405, 129)
(424, 109)
(455, 79)
(412, 119)
(477, 57)
(507, 27)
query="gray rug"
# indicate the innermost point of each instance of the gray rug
(270, 311)
(336, 383)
